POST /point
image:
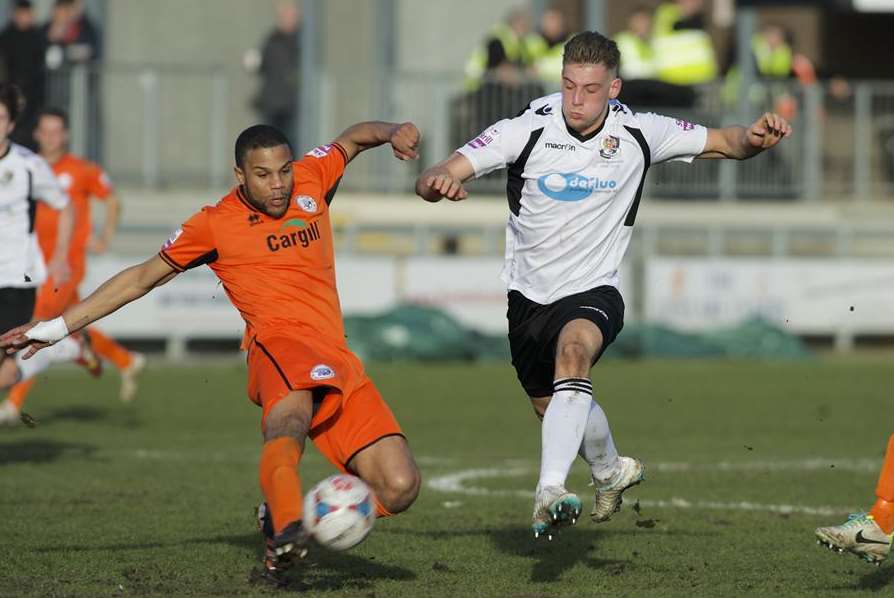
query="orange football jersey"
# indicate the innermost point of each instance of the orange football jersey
(278, 272)
(81, 180)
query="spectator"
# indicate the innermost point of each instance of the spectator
(22, 48)
(280, 70)
(504, 56)
(546, 47)
(776, 64)
(635, 44)
(639, 68)
(71, 35)
(683, 48)
(74, 40)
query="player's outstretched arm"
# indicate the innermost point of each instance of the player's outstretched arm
(403, 137)
(741, 143)
(126, 286)
(445, 179)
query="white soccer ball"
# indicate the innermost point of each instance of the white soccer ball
(339, 511)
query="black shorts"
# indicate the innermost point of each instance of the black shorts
(534, 330)
(16, 307)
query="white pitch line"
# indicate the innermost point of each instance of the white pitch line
(456, 483)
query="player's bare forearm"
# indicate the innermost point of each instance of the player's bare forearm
(403, 137)
(741, 143)
(126, 286)
(113, 215)
(65, 228)
(445, 179)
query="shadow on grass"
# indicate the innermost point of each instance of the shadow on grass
(322, 570)
(551, 559)
(77, 413)
(41, 451)
(880, 579)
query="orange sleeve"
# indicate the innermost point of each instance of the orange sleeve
(191, 245)
(99, 184)
(327, 163)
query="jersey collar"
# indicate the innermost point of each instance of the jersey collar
(585, 138)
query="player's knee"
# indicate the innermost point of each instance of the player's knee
(401, 489)
(287, 423)
(574, 356)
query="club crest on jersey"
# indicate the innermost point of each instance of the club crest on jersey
(573, 186)
(6, 177)
(306, 203)
(64, 180)
(321, 372)
(320, 151)
(173, 238)
(611, 145)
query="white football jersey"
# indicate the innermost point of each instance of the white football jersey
(25, 178)
(573, 199)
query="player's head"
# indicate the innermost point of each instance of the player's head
(589, 79)
(12, 102)
(51, 131)
(23, 15)
(264, 168)
(640, 21)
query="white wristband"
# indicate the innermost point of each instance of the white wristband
(51, 331)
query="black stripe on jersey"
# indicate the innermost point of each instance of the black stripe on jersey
(330, 195)
(647, 161)
(166, 259)
(344, 154)
(514, 180)
(32, 203)
(205, 258)
(276, 365)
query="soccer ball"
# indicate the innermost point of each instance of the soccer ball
(339, 511)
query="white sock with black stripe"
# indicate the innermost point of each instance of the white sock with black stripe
(563, 429)
(598, 447)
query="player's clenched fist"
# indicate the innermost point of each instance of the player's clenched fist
(446, 185)
(768, 130)
(405, 141)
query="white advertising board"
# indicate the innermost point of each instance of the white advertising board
(806, 296)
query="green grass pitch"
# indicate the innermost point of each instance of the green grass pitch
(743, 461)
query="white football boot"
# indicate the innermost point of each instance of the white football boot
(129, 377)
(860, 535)
(608, 497)
(554, 507)
(9, 414)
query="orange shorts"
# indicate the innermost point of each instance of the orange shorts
(349, 413)
(53, 299)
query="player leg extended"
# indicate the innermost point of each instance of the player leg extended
(286, 426)
(575, 424)
(128, 363)
(868, 535)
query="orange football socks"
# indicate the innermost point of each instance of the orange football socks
(19, 392)
(883, 510)
(108, 349)
(280, 481)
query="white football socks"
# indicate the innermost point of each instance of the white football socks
(598, 448)
(67, 349)
(563, 429)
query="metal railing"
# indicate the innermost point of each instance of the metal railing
(162, 126)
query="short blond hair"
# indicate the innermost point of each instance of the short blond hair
(591, 47)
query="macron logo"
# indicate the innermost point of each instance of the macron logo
(559, 146)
